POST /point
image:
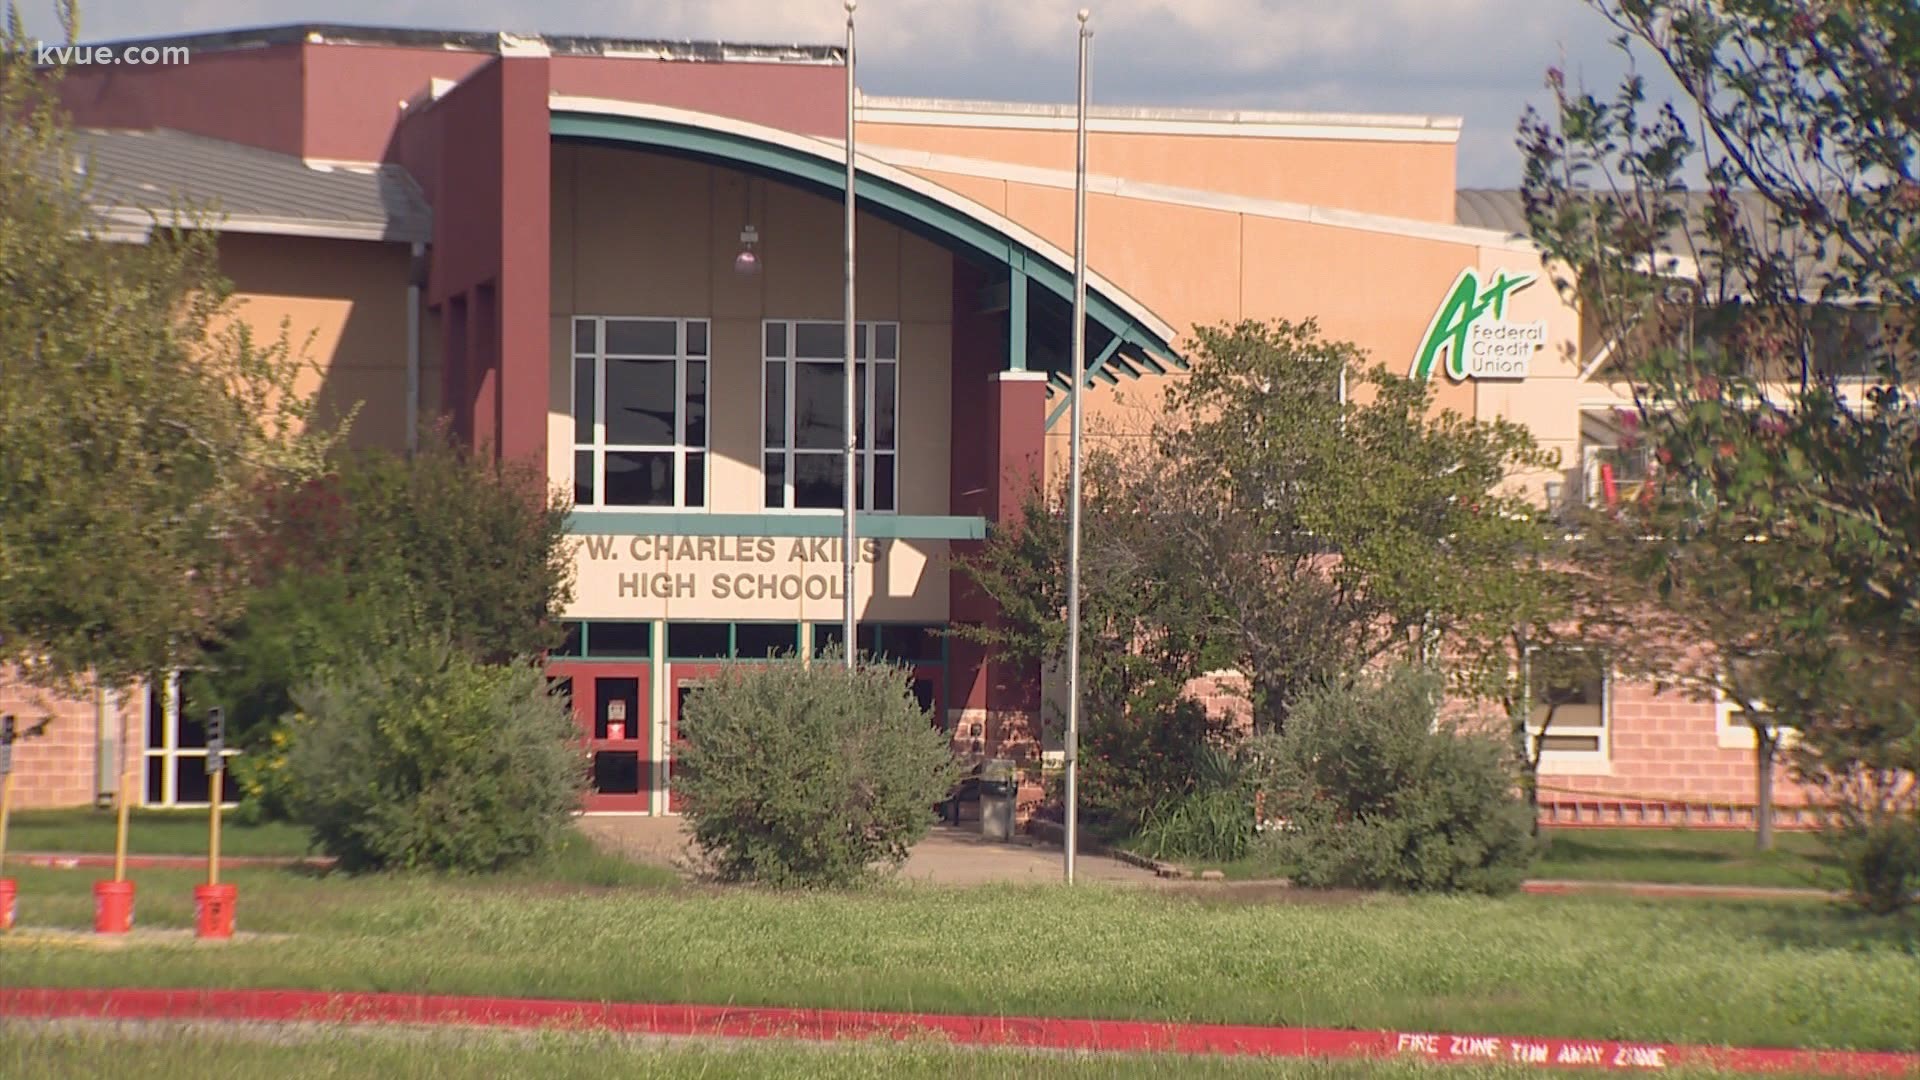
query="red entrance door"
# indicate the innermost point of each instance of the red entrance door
(610, 703)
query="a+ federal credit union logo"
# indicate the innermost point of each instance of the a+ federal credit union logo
(1471, 331)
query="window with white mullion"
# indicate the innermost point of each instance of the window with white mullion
(640, 437)
(174, 754)
(803, 388)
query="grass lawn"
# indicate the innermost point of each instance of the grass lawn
(1760, 973)
(1666, 856)
(1687, 856)
(167, 1052)
(152, 832)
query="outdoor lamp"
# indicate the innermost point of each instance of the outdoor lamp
(747, 263)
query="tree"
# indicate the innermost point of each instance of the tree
(1328, 529)
(140, 420)
(445, 545)
(1767, 325)
(1274, 524)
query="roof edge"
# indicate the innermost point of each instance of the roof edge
(496, 42)
(959, 112)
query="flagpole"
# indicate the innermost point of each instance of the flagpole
(1074, 452)
(849, 541)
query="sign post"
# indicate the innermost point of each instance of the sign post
(213, 902)
(8, 889)
(113, 900)
(216, 771)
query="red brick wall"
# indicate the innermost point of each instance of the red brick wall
(1666, 746)
(57, 768)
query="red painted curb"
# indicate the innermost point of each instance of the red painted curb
(829, 1024)
(61, 860)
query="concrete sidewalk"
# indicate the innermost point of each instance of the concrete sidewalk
(950, 855)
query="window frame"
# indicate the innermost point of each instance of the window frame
(170, 753)
(1599, 759)
(599, 448)
(869, 454)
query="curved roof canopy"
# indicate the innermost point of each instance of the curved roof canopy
(1122, 332)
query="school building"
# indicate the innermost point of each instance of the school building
(623, 258)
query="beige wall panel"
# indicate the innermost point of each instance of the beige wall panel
(562, 199)
(1403, 179)
(560, 402)
(926, 282)
(733, 420)
(738, 200)
(925, 418)
(344, 303)
(902, 277)
(641, 233)
(804, 255)
(877, 287)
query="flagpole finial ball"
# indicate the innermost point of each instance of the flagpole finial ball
(1085, 14)
(851, 4)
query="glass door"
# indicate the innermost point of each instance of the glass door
(610, 703)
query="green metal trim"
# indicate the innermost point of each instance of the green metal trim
(876, 526)
(1093, 369)
(1017, 315)
(886, 196)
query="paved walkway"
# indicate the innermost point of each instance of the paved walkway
(949, 856)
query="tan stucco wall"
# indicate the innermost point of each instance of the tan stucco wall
(345, 306)
(1403, 179)
(641, 234)
(1548, 400)
(1198, 266)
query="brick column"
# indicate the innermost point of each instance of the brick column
(1018, 429)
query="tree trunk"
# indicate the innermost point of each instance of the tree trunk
(1763, 747)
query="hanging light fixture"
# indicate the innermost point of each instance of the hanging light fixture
(747, 262)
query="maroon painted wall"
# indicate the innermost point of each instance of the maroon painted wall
(247, 96)
(352, 94)
(806, 98)
(992, 477)
(485, 148)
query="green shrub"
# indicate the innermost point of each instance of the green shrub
(809, 775)
(1374, 794)
(384, 549)
(1138, 762)
(426, 757)
(1881, 857)
(1208, 826)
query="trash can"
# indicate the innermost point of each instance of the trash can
(997, 788)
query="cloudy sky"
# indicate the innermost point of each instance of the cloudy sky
(1483, 60)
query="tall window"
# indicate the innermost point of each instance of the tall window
(804, 430)
(176, 749)
(639, 412)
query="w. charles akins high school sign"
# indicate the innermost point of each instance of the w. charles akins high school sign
(1471, 331)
